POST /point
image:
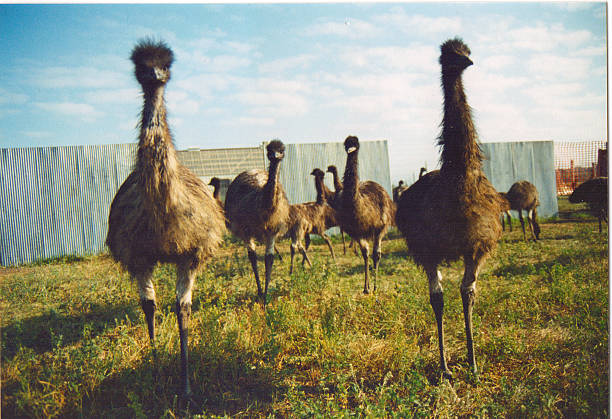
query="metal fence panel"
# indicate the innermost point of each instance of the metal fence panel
(55, 200)
(506, 163)
(301, 159)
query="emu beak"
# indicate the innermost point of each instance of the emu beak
(350, 149)
(159, 74)
(468, 62)
(278, 155)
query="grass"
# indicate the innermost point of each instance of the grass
(74, 341)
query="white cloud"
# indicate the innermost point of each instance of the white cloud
(542, 38)
(498, 62)
(83, 110)
(113, 96)
(12, 98)
(348, 28)
(299, 62)
(77, 77)
(181, 103)
(398, 19)
(36, 134)
(418, 58)
(553, 67)
(257, 120)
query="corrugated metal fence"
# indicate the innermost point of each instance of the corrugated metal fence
(55, 200)
(506, 163)
(301, 159)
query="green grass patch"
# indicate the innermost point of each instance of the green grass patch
(74, 342)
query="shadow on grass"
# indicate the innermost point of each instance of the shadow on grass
(52, 330)
(223, 383)
(509, 269)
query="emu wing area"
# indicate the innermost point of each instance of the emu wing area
(441, 223)
(190, 224)
(244, 207)
(370, 213)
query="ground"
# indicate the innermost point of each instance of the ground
(74, 341)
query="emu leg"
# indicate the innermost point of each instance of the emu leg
(468, 294)
(292, 250)
(331, 249)
(280, 257)
(305, 257)
(253, 259)
(147, 302)
(509, 220)
(520, 213)
(343, 242)
(376, 255)
(269, 261)
(535, 228)
(307, 241)
(363, 244)
(184, 285)
(436, 299)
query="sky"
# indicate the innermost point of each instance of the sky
(304, 73)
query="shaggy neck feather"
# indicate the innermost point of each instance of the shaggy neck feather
(460, 151)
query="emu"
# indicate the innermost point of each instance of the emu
(162, 212)
(453, 212)
(523, 195)
(594, 192)
(256, 207)
(365, 210)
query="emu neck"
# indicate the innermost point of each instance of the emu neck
(337, 183)
(269, 190)
(216, 193)
(322, 191)
(460, 151)
(157, 160)
(351, 177)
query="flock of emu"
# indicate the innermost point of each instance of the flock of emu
(164, 213)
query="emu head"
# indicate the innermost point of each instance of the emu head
(455, 55)
(276, 150)
(318, 173)
(214, 182)
(152, 61)
(332, 169)
(351, 144)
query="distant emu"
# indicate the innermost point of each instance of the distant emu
(398, 190)
(333, 201)
(365, 210)
(594, 192)
(162, 212)
(453, 212)
(215, 182)
(311, 218)
(257, 209)
(523, 195)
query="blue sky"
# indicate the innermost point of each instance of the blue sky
(246, 73)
